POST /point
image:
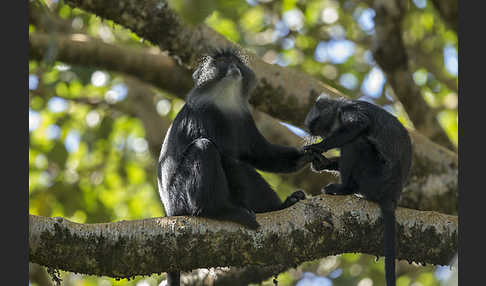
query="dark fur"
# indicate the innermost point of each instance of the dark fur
(375, 157)
(208, 159)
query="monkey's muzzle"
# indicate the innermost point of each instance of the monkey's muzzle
(233, 70)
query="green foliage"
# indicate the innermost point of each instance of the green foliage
(224, 26)
(193, 11)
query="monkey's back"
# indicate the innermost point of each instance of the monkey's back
(389, 136)
(190, 124)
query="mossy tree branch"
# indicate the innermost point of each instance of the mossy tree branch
(316, 227)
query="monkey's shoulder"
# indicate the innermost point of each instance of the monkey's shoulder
(230, 132)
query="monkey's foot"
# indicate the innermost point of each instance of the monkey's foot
(251, 212)
(239, 215)
(254, 225)
(293, 198)
(249, 220)
(335, 189)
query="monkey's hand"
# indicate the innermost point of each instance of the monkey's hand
(305, 158)
(318, 161)
(294, 198)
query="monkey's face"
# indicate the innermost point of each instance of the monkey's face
(321, 117)
(227, 68)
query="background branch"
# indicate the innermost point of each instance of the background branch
(390, 54)
(80, 49)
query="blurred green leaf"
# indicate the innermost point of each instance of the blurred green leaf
(193, 11)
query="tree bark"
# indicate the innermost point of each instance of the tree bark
(316, 227)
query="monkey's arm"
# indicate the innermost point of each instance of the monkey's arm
(352, 124)
(277, 158)
(266, 156)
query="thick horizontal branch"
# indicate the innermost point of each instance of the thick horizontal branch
(316, 227)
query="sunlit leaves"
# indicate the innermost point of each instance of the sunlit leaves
(448, 120)
(288, 5)
(313, 11)
(224, 26)
(75, 144)
(193, 11)
(252, 19)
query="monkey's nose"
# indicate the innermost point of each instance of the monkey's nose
(233, 70)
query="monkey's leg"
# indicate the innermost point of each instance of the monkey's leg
(346, 163)
(381, 184)
(253, 190)
(206, 187)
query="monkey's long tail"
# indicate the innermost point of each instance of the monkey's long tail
(389, 242)
(173, 278)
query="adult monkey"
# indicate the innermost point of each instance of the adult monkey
(375, 159)
(209, 155)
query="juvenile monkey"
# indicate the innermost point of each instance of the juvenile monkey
(375, 159)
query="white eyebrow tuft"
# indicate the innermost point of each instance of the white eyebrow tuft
(323, 96)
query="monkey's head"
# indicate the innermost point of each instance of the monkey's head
(225, 67)
(321, 117)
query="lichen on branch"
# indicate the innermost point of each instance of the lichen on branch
(316, 227)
